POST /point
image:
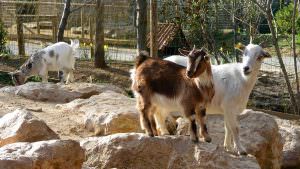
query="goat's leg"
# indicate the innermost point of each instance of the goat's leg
(190, 115)
(228, 142)
(233, 126)
(201, 120)
(152, 122)
(44, 75)
(143, 105)
(60, 75)
(71, 76)
(66, 76)
(160, 119)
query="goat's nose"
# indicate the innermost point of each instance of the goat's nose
(246, 68)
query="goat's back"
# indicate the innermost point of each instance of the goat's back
(160, 76)
(60, 54)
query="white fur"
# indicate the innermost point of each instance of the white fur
(232, 90)
(65, 61)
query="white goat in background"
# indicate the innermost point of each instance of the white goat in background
(233, 85)
(57, 57)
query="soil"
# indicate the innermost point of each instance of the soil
(66, 125)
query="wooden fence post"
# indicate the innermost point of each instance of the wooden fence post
(54, 29)
(81, 22)
(20, 34)
(91, 35)
(153, 29)
(38, 27)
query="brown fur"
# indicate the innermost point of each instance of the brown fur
(156, 76)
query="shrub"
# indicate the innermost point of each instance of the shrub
(283, 19)
(3, 35)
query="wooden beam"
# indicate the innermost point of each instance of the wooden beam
(20, 34)
(153, 29)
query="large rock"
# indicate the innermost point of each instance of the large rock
(132, 150)
(259, 134)
(22, 126)
(58, 154)
(107, 113)
(290, 131)
(58, 92)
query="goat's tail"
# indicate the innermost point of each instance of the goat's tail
(75, 44)
(143, 55)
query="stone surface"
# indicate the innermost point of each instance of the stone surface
(259, 134)
(132, 150)
(22, 126)
(59, 92)
(107, 113)
(290, 132)
(52, 154)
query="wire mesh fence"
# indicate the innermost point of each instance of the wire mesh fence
(37, 21)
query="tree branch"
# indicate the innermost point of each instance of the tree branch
(85, 3)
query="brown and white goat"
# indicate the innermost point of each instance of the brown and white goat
(162, 84)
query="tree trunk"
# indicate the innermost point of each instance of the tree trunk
(234, 26)
(294, 44)
(141, 23)
(99, 38)
(64, 21)
(285, 74)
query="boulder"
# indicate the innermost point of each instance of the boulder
(290, 132)
(58, 154)
(58, 92)
(22, 126)
(133, 150)
(106, 113)
(259, 134)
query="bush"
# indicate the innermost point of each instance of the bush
(3, 35)
(283, 18)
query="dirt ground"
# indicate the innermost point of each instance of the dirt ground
(70, 124)
(66, 125)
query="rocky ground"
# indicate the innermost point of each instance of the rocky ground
(89, 126)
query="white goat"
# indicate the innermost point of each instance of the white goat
(233, 85)
(57, 57)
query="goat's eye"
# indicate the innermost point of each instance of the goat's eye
(29, 66)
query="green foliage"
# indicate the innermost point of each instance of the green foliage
(34, 79)
(3, 35)
(5, 78)
(283, 18)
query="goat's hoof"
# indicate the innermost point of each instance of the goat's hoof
(207, 139)
(195, 140)
(150, 134)
(243, 153)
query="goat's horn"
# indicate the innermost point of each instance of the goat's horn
(194, 47)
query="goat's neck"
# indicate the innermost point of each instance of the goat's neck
(204, 80)
(250, 80)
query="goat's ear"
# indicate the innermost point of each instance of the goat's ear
(183, 52)
(240, 47)
(206, 58)
(263, 44)
(11, 73)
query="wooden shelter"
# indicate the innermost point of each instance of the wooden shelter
(170, 38)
